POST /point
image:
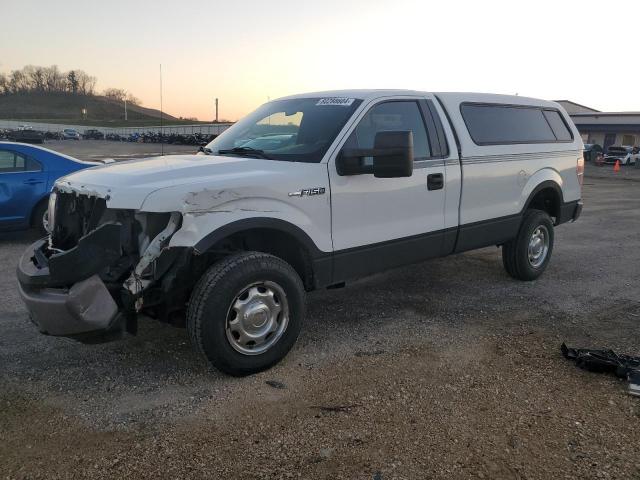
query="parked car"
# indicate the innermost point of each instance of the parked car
(230, 242)
(624, 154)
(26, 134)
(53, 135)
(93, 134)
(70, 134)
(591, 152)
(27, 174)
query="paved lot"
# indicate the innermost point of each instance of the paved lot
(449, 369)
(101, 149)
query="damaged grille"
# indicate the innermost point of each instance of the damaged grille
(75, 216)
(88, 238)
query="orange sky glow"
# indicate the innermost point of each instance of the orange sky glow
(247, 51)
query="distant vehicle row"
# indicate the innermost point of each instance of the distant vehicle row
(626, 155)
(26, 134)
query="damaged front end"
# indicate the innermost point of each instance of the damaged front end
(96, 270)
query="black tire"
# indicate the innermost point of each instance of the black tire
(37, 219)
(515, 253)
(215, 293)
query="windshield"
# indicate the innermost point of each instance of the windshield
(296, 130)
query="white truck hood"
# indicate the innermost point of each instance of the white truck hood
(127, 184)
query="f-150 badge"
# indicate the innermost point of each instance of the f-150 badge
(308, 192)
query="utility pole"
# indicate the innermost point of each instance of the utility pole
(125, 109)
(216, 110)
(161, 139)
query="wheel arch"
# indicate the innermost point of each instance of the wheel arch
(277, 237)
(545, 195)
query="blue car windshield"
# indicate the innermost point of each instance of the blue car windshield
(295, 130)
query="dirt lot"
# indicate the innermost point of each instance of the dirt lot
(449, 369)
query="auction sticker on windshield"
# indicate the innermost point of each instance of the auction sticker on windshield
(345, 102)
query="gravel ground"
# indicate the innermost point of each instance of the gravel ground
(448, 369)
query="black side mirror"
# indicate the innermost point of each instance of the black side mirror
(392, 156)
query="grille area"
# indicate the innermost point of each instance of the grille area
(75, 216)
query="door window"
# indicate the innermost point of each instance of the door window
(392, 116)
(11, 162)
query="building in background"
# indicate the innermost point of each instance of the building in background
(604, 128)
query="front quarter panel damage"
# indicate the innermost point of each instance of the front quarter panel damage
(208, 206)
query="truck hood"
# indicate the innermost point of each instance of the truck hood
(127, 184)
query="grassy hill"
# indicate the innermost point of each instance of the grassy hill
(64, 108)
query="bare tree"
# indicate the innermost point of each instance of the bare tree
(86, 83)
(37, 79)
(18, 82)
(33, 78)
(4, 84)
(133, 100)
(116, 94)
(54, 80)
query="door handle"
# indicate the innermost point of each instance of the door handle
(33, 181)
(435, 181)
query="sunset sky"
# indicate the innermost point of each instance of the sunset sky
(245, 51)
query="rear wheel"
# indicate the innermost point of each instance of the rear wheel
(526, 257)
(246, 312)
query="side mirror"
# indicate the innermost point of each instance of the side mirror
(392, 156)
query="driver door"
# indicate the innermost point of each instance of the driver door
(381, 223)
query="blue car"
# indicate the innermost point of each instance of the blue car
(27, 174)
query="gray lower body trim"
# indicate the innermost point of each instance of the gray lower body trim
(85, 307)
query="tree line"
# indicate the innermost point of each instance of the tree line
(36, 79)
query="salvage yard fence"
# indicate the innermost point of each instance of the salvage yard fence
(203, 128)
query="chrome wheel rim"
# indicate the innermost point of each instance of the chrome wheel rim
(257, 318)
(538, 246)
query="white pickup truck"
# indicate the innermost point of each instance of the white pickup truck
(308, 191)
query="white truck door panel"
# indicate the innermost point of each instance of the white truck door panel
(381, 222)
(368, 210)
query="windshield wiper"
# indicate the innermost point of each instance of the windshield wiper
(246, 151)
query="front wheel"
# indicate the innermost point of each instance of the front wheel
(526, 257)
(246, 312)
(41, 218)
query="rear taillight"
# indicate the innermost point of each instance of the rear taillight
(580, 170)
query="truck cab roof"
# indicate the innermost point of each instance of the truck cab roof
(446, 97)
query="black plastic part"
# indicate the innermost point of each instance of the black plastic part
(94, 252)
(361, 261)
(392, 156)
(569, 211)
(487, 232)
(606, 361)
(435, 181)
(453, 130)
(429, 111)
(396, 159)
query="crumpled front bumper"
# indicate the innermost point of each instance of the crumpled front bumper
(74, 308)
